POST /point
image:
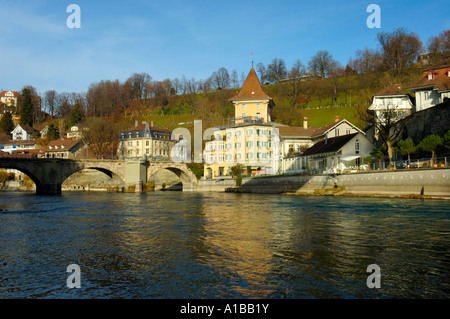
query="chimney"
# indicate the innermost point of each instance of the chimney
(336, 118)
(305, 123)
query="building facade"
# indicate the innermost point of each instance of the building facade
(433, 87)
(62, 148)
(249, 140)
(10, 98)
(145, 141)
(24, 132)
(331, 155)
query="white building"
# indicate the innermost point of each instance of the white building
(331, 155)
(18, 145)
(295, 139)
(24, 132)
(433, 87)
(391, 102)
(10, 98)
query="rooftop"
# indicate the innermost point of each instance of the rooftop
(440, 80)
(251, 89)
(330, 145)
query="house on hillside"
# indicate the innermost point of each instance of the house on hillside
(389, 106)
(62, 148)
(10, 98)
(144, 140)
(76, 132)
(24, 132)
(433, 87)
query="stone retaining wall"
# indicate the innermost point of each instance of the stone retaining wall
(417, 182)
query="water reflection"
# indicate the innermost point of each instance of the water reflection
(189, 245)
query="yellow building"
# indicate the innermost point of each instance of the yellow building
(249, 140)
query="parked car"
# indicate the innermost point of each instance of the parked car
(424, 162)
(401, 165)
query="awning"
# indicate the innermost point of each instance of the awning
(349, 158)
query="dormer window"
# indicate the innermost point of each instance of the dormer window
(430, 75)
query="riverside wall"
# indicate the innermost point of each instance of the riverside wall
(430, 182)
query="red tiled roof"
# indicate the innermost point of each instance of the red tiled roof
(141, 127)
(394, 89)
(251, 89)
(440, 81)
(16, 94)
(67, 143)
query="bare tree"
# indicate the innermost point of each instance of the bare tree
(101, 137)
(50, 101)
(276, 71)
(234, 79)
(321, 63)
(221, 79)
(400, 49)
(138, 82)
(389, 128)
(295, 75)
(438, 46)
(367, 61)
(261, 69)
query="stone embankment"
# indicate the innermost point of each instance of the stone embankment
(431, 183)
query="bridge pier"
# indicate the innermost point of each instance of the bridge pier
(48, 189)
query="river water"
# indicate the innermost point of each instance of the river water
(219, 245)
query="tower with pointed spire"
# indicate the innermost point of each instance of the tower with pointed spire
(249, 140)
(251, 103)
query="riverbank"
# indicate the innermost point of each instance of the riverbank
(423, 184)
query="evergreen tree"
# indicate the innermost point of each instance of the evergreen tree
(26, 112)
(407, 147)
(76, 115)
(7, 123)
(52, 133)
(430, 144)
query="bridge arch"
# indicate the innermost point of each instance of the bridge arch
(186, 176)
(28, 172)
(113, 171)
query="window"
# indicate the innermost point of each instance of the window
(347, 131)
(243, 106)
(244, 115)
(425, 94)
(430, 76)
(258, 106)
(258, 116)
(147, 143)
(357, 146)
(337, 132)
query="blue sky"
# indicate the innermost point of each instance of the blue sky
(169, 39)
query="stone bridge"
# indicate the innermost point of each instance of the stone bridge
(49, 174)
